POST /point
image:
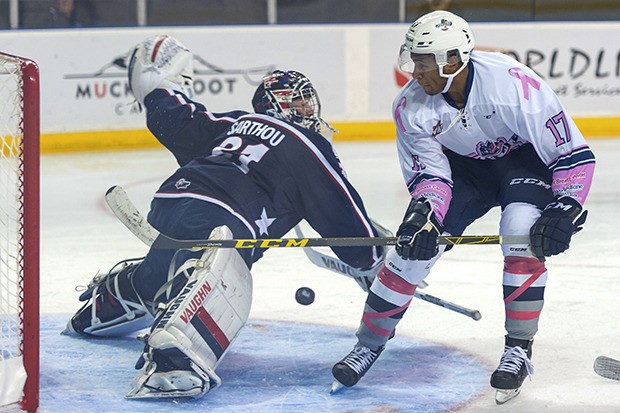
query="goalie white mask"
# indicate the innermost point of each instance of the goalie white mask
(290, 96)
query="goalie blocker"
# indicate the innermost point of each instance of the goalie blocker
(195, 330)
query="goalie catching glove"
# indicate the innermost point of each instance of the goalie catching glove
(552, 232)
(418, 233)
(160, 62)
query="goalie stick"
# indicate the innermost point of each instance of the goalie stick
(128, 214)
(334, 264)
(607, 367)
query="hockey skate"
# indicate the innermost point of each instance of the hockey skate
(514, 367)
(352, 368)
(112, 307)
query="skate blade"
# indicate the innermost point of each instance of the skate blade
(336, 387)
(141, 392)
(502, 396)
(171, 384)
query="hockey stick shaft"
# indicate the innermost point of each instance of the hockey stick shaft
(471, 313)
(128, 214)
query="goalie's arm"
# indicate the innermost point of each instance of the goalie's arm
(332, 206)
(160, 75)
(186, 128)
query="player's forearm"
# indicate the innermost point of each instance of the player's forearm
(573, 173)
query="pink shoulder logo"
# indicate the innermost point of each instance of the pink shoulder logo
(525, 81)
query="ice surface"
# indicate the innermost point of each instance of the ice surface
(439, 361)
(274, 366)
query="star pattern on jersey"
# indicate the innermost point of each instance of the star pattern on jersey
(264, 222)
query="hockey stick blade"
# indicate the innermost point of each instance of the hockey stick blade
(607, 367)
(333, 264)
(128, 214)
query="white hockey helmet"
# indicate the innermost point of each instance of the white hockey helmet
(442, 34)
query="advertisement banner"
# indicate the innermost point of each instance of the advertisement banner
(84, 77)
(578, 60)
(84, 84)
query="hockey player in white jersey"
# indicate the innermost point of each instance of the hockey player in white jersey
(476, 130)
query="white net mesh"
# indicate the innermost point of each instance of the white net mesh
(12, 373)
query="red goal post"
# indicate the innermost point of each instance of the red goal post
(19, 234)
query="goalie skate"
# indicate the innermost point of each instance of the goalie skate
(112, 307)
(175, 383)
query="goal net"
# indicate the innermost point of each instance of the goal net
(19, 234)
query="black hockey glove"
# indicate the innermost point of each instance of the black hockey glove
(417, 235)
(551, 233)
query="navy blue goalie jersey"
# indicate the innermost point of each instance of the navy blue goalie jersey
(268, 173)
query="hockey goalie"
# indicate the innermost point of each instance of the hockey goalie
(242, 175)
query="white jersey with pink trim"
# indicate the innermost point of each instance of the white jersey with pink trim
(506, 105)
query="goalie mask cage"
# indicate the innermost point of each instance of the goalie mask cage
(19, 234)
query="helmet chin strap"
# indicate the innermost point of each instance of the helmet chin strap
(448, 84)
(450, 77)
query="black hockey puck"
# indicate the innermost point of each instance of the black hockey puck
(304, 296)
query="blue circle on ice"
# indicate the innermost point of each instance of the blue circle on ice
(274, 366)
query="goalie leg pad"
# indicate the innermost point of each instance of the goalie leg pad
(160, 62)
(112, 306)
(197, 327)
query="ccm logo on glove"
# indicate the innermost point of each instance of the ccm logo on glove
(417, 235)
(552, 232)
